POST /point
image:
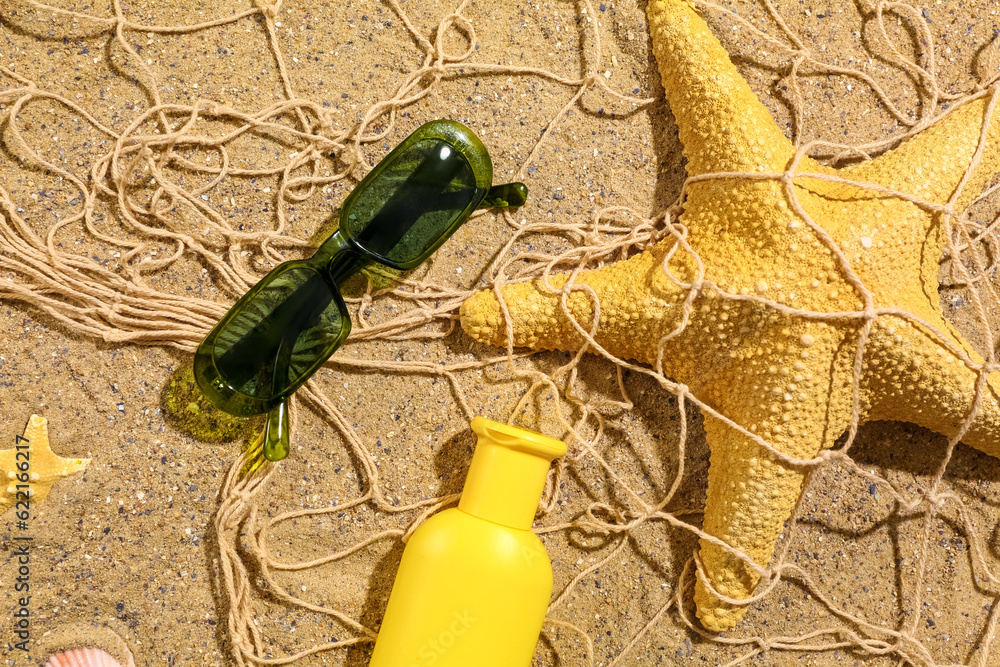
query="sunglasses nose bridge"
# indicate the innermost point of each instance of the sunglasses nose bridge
(342, 264)
(331, 249)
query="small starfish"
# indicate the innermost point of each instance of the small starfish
(784, 377)
(44, 467)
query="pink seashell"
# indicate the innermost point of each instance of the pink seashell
(82, 657)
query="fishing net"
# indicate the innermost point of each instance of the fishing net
(178, 163)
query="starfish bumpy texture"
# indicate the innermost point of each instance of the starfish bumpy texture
(45, 467)
(784, 377)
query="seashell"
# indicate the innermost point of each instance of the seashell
(82, 657)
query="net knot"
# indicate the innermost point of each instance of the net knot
(769, 576)
(269, 8)
(830, 455)
(765, 644)
(617, 520)
(244, 497)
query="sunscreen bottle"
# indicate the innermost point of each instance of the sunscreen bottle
(474, 581)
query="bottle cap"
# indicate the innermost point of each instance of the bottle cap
(507, 474)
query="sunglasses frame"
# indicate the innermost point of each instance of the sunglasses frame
(218, 389)
(465, 143)
(456, 135)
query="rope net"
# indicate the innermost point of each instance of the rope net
(154, 202)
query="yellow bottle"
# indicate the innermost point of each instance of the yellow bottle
(474, 581)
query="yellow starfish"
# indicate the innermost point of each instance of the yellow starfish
(786, 378)
(33, 457)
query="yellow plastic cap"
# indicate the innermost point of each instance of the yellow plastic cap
(507, 474)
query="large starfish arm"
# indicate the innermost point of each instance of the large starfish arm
(909, 376)
(932, 164)
(750, 496)
(722, 124)
(637, 304)
(776, 393)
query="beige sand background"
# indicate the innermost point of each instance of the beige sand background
(128, 546)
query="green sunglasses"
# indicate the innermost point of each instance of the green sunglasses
(281, 331)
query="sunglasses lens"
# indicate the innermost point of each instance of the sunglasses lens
(288, 325)
(413, 204)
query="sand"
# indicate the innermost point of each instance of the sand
(125, 556)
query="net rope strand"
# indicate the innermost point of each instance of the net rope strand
(125, 307)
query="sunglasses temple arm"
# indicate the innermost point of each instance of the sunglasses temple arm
(507, 195)
(277, 439)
